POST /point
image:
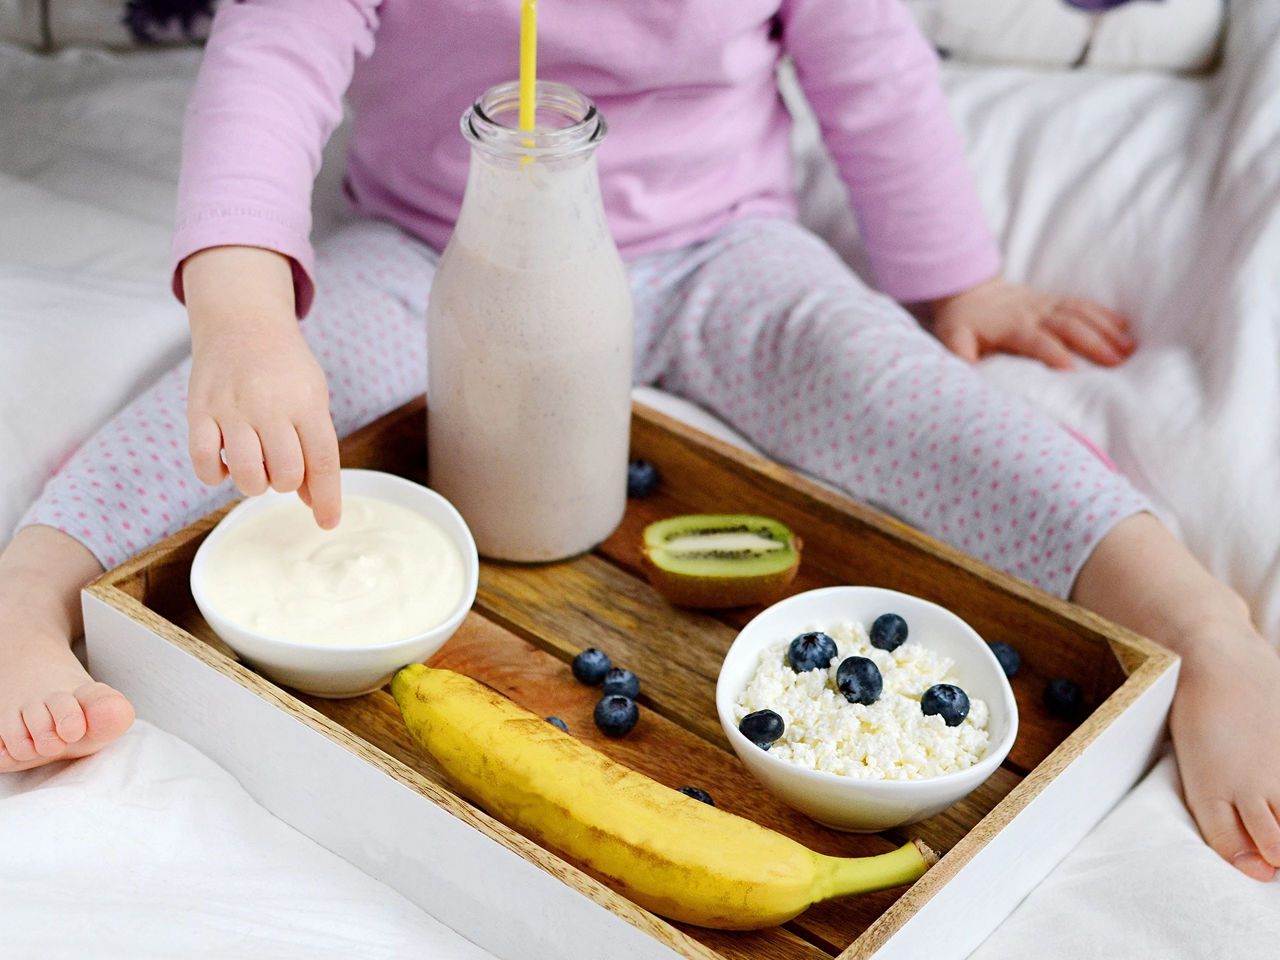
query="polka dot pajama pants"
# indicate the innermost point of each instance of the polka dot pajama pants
(762, 325)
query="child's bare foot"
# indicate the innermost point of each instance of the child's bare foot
(50, 708)
(1225, 723)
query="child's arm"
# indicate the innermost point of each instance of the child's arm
(872, 80)
(268, 96)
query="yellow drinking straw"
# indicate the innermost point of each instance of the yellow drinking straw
(528, 64)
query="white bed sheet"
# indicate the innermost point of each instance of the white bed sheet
(150, 849)
(1159, 195)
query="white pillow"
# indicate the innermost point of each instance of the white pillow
(21, 22)
(1177, 35)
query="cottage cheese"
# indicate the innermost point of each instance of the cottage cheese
(890, 739)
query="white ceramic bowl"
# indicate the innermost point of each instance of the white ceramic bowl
(342, 671)
(849, 803)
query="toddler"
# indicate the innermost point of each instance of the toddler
(737, 308)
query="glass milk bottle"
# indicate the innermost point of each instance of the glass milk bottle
(529, 337)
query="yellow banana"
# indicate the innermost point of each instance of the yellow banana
(669, 853)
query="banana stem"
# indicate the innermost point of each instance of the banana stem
(849, 875)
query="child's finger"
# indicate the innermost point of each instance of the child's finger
(322, 478)
(244, 458)
(1078, 334)
(1040, 344)
(282, 455)
(204, 445)
(961, 341)
(1108, 323)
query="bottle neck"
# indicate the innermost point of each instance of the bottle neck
(533, 197)
(567, 125)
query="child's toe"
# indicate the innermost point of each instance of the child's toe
(1224, 831)
(40, 729)
(15, 739)
(107, 713)
(1260, 822)
(1251, 865)
(68, 717)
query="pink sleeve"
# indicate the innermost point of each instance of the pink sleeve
(872, 80)
(268, 96)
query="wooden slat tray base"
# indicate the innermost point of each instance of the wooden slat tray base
(529, 621)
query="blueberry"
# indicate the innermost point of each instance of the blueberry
(1008, 657)
(615, 715)
(591, 665)
(762, 728)
(557, 722)
(622, 682)
(698, 794)
(1063, 697)
(811, 651)
(642, 478)
(948, 701)
(888, 631)
(859, 680)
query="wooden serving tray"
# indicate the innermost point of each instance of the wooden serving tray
(527, 624)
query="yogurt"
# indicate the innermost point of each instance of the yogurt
(384, 574)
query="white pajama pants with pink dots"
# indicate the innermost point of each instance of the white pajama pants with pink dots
(762, 325)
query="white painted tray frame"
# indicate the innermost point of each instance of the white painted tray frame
(477, 877)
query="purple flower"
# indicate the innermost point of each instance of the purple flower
(1098, 6)
(150, 20)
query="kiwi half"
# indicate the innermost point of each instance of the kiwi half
(713, 560)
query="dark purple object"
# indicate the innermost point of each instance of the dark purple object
(591, 666)
(858, 678)
(698, 794)
(947, 701)
(150, 21)
(642, 478)
(622, 682)
(616, 715)
(811, 651)
(888, 632)
(1098, 6)
(762, 728)
(1063, 698)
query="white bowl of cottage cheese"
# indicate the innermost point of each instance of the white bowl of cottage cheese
(335, 612)
(865, 708)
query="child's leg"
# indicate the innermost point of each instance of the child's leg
(132, 484)
(766, 328)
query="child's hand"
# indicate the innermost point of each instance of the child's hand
(256, 390)
(1000, 317)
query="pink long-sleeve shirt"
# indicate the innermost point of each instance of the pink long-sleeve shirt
(698, 135)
